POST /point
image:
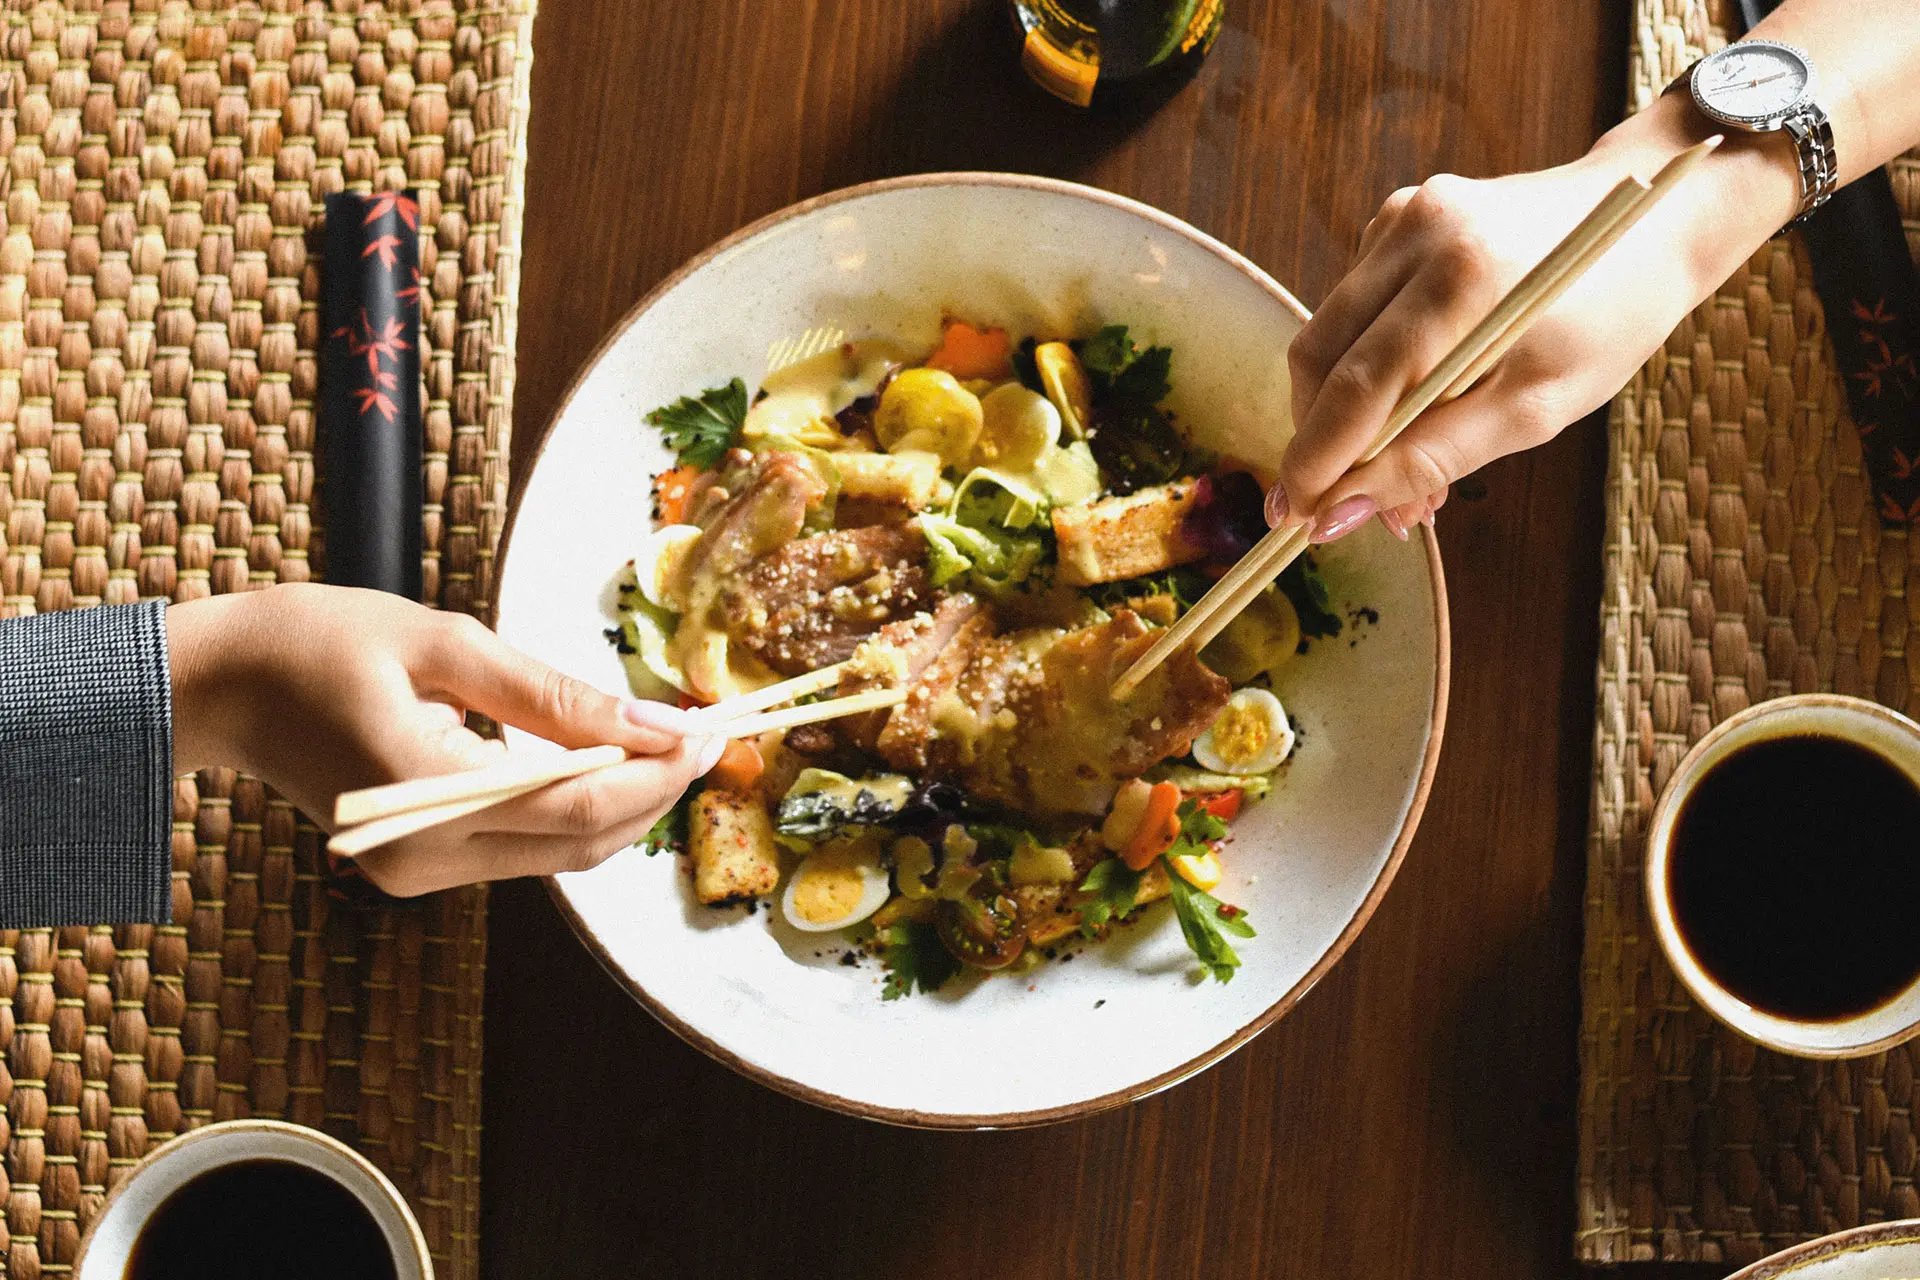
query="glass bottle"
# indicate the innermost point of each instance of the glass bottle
(1086, 50)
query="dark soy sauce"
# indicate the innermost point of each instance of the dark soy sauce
(1795, 877)
(261, 1220)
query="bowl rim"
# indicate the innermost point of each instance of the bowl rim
(1858, 1239)
(908, 1117)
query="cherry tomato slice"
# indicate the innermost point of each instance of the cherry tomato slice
(981, 933)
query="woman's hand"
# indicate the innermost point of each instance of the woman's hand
(1436, 260)
(319, 690)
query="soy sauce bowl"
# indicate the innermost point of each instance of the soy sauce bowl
(1855, 721)
(107, 1247)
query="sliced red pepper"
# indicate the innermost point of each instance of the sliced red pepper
(1224, 805)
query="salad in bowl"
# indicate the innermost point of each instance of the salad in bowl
(997, 526)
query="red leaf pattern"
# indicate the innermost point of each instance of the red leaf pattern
(1883, 386)
(378, 340)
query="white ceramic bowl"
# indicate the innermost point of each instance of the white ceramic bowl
(1125, 1018)
(1879, 1251)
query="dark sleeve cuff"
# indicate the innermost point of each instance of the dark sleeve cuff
(86, 768)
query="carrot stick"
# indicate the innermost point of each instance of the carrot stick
(1159, 827)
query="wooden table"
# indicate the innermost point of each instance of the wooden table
(1414, 1115)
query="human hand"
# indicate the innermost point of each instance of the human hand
(319, 690)
(1433, 264)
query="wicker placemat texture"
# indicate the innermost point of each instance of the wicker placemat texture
(162, 166)
(1743, 560)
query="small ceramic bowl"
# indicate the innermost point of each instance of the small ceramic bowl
(1126, 1017)
(107, 1246)
(1868, 724)
(1879, 1251)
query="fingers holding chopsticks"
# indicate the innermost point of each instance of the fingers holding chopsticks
(481, 672)
(570, 825)
(1472, 242)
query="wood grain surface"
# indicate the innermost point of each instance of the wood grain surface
(1414, 1115)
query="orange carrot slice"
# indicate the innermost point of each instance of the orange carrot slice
(1159, 827)
(672, 491)
(967, 352)
(739, 767)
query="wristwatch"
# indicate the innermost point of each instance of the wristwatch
(1763, 86)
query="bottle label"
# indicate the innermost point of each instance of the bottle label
(1056, 71)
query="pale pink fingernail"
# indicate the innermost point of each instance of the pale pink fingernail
(648, 714)
(1344, 518)
(1395, 525)
(1278, 508)
(1427, 519)
(710, 752)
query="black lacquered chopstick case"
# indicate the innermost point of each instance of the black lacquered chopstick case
(370, 430)
(1870, 293)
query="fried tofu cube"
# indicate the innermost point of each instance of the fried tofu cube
(734, 854)
(1125, 537)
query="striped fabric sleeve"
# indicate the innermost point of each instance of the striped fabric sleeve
(86, 767)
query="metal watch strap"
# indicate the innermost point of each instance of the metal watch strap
(1813, 147)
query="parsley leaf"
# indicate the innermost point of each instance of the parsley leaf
(1144, 380)
(914, 957)
(669, 835)
(702, 428)
(1185, 584)
(1306, 590)
(1107, 352)
(1198, 828)
(1204, 919)
(1115, 889)
(1119, 369)
(1137, 445)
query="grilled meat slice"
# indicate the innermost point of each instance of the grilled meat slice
(904, 650)
(811, 602)
(1029, 719)
(765, 507)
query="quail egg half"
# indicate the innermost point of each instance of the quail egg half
(840, 883)
(1250, 735)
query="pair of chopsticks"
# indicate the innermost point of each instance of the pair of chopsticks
(1468, 362)
(374, 816)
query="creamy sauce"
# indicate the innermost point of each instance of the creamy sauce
(801, 400)
(714, 668)
(891, 789)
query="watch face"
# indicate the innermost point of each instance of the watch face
(1752, 81)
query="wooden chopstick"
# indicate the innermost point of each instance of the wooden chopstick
(354, 841)
(771, 696)
(375, 816)
(370, 804)
(1623, 206)
(810, 713)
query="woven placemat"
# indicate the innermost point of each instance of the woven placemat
(1743, 560)
(162, 165)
